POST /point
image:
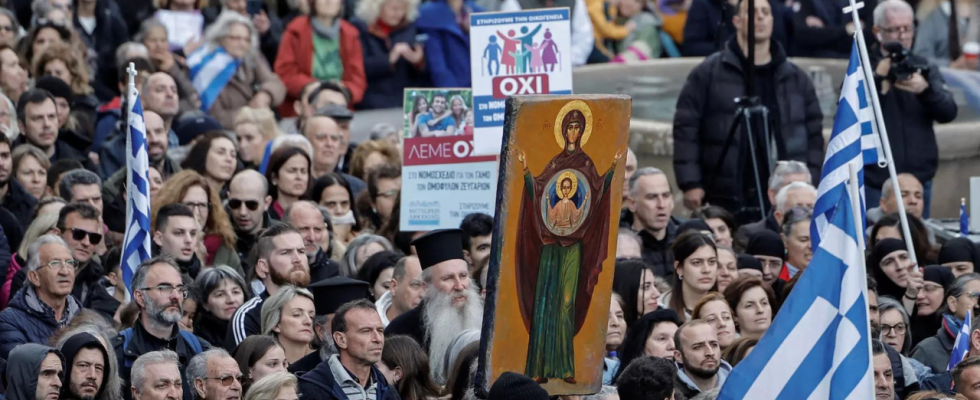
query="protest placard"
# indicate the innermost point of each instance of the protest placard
(442, 180)
(515, 53)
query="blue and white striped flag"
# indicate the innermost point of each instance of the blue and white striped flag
(853, 140)
(136, 245)
(211, 69)
(961, 347)
(819, 346)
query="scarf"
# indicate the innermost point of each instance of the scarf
(327, 32)
(952, 325)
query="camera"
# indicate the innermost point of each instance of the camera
(902, 64)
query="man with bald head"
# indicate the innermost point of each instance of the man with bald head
(329, 143)
(308, 220)
(248, 206)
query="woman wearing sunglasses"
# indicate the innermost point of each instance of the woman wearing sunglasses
(961, 297)
(194, 191)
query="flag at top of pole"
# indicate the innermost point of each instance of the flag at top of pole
(819, 345)
(852, 140)
(136, 245)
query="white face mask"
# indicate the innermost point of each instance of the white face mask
(346, 219)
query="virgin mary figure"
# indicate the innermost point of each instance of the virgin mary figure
(558, 265)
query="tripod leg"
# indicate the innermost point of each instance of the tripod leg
(747, 117)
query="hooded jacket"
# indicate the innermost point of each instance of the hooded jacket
(684, 385)
(70, 349)
(24, 368)
(320, 383)
(28, 320)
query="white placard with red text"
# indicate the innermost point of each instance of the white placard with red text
(516, 53)
(442, 180)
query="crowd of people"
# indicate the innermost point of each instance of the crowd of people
(279, 269)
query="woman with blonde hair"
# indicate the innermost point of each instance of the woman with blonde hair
(371, 154)
(458, 108)
(192, 189)
(288, 316)
(42, 225)
(59, 61)
(278, 386)
(255, 128)
(393, 59)
(30, 168)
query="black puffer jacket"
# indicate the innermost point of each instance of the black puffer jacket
(909, 119)
(706, 110)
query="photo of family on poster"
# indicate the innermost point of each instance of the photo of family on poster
(438, 112)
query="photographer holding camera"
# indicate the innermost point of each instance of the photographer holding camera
(913, 96)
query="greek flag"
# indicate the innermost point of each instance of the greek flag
(818, 347)
(853, 140)
(961, 347)
(211, 69)
(136, 245)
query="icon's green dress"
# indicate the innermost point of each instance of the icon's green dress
(556, 274)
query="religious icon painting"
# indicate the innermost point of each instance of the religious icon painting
(554, 240)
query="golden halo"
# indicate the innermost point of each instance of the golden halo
(586, 111)
(561, 178)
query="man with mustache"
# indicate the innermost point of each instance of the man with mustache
(281, 261)
(352, 374)
(87, 370)
(45, 303)
(329, 295)
(159, 292)
(700, 368)
(451, 304)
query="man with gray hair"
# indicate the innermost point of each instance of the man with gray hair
(910, 103)
(406, 291)
(305, 216)
(156, 376)
(790, 189)
(45, 303)
(215, 375)
(159, 293)
(912, 194)
(648, 213)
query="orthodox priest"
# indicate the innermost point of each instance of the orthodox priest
(564, 227)
(451, 304)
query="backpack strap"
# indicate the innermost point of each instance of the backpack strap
(127, 335)
(192, 341)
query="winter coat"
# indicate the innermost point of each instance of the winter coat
(447, 48)
(746, 231)
(320, 384)
(706, 111)
(831, 40)
(934, 351)
(294, 63)
(20, 203)
(704, 32)
(24, 369)
(909, 119)
(246, 321)
(253, 76)
(388, 82)
(90, 292)
(685, 386)
(16, 262)
(27, 320)
(322, 267)
(411, 324)
(142, 342)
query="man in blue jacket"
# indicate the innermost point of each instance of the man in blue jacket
(45, 304)
(352, 375)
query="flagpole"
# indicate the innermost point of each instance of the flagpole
(854, 192)
(880, 122)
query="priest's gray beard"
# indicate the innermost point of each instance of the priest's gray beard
(444, 321)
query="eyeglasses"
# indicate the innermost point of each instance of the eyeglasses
(235, 204)
(899, 328)
(59, 265)
(972, 295)
(227, 380)
(200, 206)
(167, 289)
(896, 30)
(390, 194)
(80, 234)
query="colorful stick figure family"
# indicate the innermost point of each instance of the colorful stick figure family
(520, 54)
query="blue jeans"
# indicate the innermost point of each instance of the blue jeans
(873, 197)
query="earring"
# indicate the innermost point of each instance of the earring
(680, 277)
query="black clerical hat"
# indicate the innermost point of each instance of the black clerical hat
(438, 246)
(330, 294)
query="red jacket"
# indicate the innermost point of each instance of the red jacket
(294, 62)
